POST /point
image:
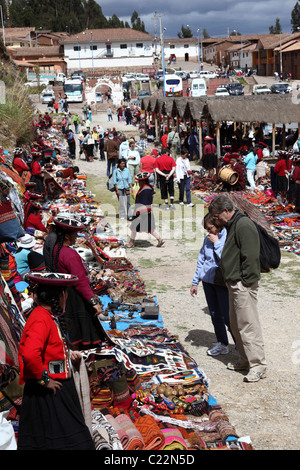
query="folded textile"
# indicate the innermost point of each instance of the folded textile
(135, 439)
(123, 436)
(225, 429)
(104, 435)
(150, 432)
(173, 440)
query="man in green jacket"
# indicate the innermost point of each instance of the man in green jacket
(241, 269)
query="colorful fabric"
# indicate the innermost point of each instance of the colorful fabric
(173, 440)
(134, 438)
(150, 432)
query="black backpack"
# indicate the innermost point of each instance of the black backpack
(270, 254)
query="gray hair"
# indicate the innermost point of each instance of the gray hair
(220, 203)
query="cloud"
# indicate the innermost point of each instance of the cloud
(217, 17)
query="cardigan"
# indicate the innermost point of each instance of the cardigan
(42, 348)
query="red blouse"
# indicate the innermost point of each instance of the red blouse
(35, 221)
(42, 348)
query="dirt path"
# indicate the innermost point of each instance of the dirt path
(267, 411)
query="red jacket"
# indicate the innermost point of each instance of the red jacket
(35, 221)
(42, 348)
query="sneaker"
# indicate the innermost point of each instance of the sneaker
(254, 376)
(190, 204)
(219, 348)
(172, 207)
(181, 203)
(237, 366)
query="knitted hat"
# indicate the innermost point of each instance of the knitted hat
(36, 261)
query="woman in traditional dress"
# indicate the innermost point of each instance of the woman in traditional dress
(83, 306)
(51, 416)
(143, 219)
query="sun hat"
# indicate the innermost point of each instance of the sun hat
(142, 176)
(68, 223)
(51, 279)
(27, 241)
(208, 138)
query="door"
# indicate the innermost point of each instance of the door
(186, 57)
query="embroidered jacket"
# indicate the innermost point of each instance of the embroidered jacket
(42, 348)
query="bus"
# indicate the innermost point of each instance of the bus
(173, 85)
(73, 89)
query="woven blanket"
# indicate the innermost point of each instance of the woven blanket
(150, 431)
(173, 440)
(135, 439)
(104, 435)
(123, 436)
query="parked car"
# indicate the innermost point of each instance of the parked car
(208, 74)
(77, 77)
(182, 74)
(35, 82)
(194, 74)
(142, 77)
(143, 94)
(130, 77)
(261, 89)
(79, 73)
(281, 88)
(235, 88)
(47, 96)
(99, 97)
(222, 91)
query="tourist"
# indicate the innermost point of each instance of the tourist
(72, 145)
(240, 263)
(143, 218)
(128, 116)
(133, 159)
(281, 171)
(76, 122)
(210, 158)
(82, 306)
(142, 144)
(109, 114)
(51, 416)
(25, 245)
(123, 185)
(165, 168)
(111, 148)
(147, 165)
(173, 142)
(184, 175)
(216, 292)
(250, 161)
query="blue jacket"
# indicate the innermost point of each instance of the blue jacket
(207, 264)
(122, 178)
(250, 161)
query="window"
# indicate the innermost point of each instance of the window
(139, 45)
(123, 46)
(93, 47)
(172, 46)
(77, 48)
(186, 46)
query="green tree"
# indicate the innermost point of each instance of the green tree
(295, 17)
(185, 32)
(205, 34)
(277, 28)
(137, 23)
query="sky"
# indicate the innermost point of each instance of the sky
(216, 16)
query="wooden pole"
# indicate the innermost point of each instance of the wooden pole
(218, 139)
(273, 140)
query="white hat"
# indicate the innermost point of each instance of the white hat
(28, 241)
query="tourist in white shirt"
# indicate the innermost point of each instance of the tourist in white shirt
(133, 159)
(183, 175)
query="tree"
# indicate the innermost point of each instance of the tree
(136, 22)
(185, 32)
(205, 34)
(295, 18)
(277, 28)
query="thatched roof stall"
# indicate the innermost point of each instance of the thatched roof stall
(273, 109)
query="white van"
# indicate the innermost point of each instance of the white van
(198, 87)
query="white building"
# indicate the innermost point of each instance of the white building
(240, 56)
(108, 48)
(185, 49)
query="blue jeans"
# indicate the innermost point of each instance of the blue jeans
(111, 163)
(218, 303)
(185, 184)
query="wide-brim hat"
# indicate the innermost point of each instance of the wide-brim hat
(144, 175)
(69, 224)
(27, 241)
(235, 156)
(51, 279)
(208, 138)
